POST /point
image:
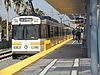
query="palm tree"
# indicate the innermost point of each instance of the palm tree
(7, 6)
(0, 20)
(17, 5)
(23, 5)
(27, 9)
(39, 12)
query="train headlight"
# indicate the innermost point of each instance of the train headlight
(35, 20)
(17, 47)
(35, 47)
(15, 20)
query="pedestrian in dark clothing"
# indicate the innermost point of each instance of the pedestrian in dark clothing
(74, 33)
(78, 36)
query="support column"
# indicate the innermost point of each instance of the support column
(99, 34)
(94, 57)
(88, 29)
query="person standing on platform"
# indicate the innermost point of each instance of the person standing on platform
(74, 33)
(78, 36)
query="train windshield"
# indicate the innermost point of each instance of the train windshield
(25, 32)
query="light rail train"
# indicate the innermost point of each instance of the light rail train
(31, 34)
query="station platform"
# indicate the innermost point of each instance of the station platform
(70, 59)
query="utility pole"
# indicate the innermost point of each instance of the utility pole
(98, 17)
(0, 28)
(7, 27)
(61, 17)
(32, 8)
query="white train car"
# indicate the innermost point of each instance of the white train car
(25, 35)
(30, 35)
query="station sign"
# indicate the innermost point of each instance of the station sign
(79, 20)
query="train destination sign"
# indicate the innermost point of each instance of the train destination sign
(26, 19)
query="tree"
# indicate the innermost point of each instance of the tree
(21, 7)
(4, 23)
(17, 5)
(0, 20)
(39, 12)
(7, 6)
(26, 8)
(0, 24)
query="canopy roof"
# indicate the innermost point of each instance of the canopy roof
(69, 6)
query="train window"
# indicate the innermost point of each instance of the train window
(43, 31)
(59, 31)
(55, 31)
(32, 32)
(62, 31)
(17, 32)
(48, 31)
(26, 32)
(51, 31)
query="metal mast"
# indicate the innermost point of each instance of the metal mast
(32, 8)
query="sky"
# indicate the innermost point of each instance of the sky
(41, 4)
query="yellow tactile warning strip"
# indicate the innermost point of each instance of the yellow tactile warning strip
(18, 67)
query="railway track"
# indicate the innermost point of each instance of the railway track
(5, 54)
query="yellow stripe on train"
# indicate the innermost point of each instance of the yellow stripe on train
(36, 43)
(16, 43)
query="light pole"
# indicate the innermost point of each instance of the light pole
(0, 27)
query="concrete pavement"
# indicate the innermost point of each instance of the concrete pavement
(70, 59)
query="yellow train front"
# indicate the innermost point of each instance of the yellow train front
(31, 34)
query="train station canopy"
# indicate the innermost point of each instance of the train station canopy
(69, 6)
